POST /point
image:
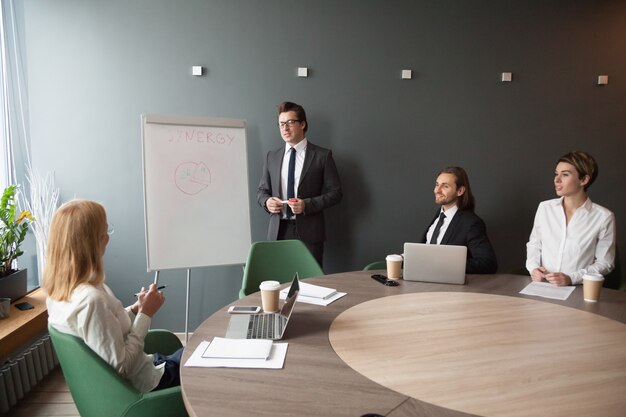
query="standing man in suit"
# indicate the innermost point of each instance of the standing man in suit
(457, 224)
(302, 175)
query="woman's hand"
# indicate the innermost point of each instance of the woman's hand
(149, 301)
(135, 307)
(538, 274)
(559, 278)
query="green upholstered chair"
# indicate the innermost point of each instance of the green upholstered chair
(99, 391)
(376, 265)
(277, 260)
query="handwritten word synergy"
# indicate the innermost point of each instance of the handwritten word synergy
(200, 136)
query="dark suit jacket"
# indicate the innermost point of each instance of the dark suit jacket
(467, 229)
(319, 187)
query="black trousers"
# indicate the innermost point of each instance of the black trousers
(288, 230)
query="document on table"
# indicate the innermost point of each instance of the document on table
(314, 294)
(547, 290)
(316, 291)
(275, 360)
(238, 349)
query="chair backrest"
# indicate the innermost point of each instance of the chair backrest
(518, 270)
(99, 391)
(614, 279)
(85, 372)
(376, 265)
(277, 260)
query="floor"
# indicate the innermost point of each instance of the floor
(50, 397)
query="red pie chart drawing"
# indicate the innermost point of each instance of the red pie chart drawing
(192, 177)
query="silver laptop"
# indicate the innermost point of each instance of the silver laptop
(265, 325)
(435, 263)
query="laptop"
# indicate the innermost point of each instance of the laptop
(265, 325)
(443, 264)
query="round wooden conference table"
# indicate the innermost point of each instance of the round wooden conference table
(423, 349)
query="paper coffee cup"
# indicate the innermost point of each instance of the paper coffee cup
(269, 295)
(394, 266)
(592, 284)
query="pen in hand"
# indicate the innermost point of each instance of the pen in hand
(160, 288)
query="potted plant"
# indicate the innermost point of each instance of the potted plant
(13, 282)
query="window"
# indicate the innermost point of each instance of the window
(15, 162)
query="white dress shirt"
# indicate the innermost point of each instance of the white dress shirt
(446, 222)
(115, 334)
(284, 173)
(586, 244)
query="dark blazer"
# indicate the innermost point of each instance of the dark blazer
(467, 229)
(319, 187)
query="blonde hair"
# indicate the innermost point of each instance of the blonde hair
(74, 248)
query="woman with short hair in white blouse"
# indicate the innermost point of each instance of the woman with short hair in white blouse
(571, 235)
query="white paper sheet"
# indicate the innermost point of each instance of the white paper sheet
(547, 290)
(276, 360)
(314, 291)
(317, 301)
(238, 348)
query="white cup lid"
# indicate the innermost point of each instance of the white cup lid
(593, 277)
(269, 285)
(394, 258)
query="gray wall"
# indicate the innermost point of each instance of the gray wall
(94, 67)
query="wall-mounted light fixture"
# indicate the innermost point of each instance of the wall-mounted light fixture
(196, 70)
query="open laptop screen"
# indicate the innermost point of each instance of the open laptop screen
(434, 263)
(291, 298)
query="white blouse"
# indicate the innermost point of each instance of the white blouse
(586, 244)
(115, 334)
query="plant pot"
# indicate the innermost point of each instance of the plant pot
(15, 285)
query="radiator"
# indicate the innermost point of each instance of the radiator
(21, 373)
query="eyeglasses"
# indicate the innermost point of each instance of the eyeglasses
(287, 123)
(110, 229)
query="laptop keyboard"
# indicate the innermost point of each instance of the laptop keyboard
(263, 326)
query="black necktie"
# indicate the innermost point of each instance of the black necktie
(433, 239)
(291, 182)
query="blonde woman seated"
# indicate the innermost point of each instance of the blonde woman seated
(571, 235)
(80, 303)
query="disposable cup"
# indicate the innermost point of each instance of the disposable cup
(269, 295)
(394, 266)
(592, 284)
